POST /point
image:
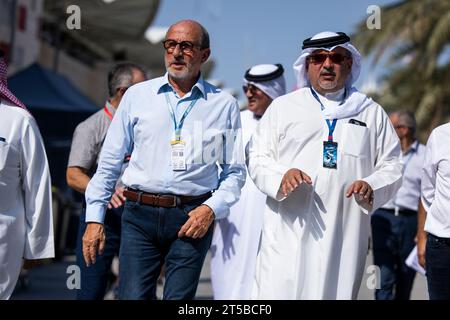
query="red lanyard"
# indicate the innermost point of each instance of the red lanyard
(110, 116)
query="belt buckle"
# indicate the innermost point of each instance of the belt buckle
(139, 199)
(176, 201)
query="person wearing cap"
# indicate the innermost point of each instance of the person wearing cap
(26, 221)
(235, 240)
(180, 131)
(326, 156)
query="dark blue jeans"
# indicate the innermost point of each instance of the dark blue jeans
(149, 239)
(94, 278)
(393, 240)
(437, 264)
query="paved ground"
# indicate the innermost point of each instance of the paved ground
(49, 282)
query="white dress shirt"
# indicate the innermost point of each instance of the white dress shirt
(436, 182)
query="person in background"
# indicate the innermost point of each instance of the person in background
(87, 142)
(394, 225)
(236, 238)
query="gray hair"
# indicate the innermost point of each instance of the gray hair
(407, 119)
(121, 76)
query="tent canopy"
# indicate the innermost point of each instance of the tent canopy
(58, 107)
(41, 89)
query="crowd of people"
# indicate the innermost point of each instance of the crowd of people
(287, 194)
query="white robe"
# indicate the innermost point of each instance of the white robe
(26, 226)
(314, 242)
(235, 241)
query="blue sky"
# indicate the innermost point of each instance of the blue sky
(248, 32)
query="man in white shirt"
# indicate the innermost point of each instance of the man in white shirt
(394, 225)
(326, 156)
(236, 238)
(26, 221)
(436, 201)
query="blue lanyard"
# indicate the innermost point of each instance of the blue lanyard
(179, 125)
(330, 123)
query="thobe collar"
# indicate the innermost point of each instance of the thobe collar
(199, 87)
(337, 96)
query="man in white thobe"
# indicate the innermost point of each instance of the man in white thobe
(326, 156)
(236, 238)
(26, 227)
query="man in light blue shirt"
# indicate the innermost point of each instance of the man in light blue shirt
(394, 225)
(178, 128)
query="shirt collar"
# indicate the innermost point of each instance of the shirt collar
(413, 147)
(166, 86)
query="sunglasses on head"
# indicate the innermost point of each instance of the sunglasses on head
(319, 58)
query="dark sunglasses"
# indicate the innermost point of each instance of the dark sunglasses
(319, 58)
(186, 47)
(253, 89)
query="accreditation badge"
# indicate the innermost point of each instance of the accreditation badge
(178, 155)
(330, 154)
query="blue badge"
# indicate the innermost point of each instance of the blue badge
(330, 154)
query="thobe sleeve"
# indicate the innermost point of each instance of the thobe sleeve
(386, 178)
(262, 155)
(36, 186)
(429, 175)
(233, 175)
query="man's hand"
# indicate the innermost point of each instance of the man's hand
(117, 199)
(93, 242)
(292, 179)
(361, 188)
(421, 241)
(198, 223)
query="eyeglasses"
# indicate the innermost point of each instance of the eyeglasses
(253, 89)
(186, 47)
(320, 58)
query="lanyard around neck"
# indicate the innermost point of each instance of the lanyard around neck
(108, 113)
(330, 123)
(178, 126)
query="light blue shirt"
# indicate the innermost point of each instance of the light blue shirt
(144, 127)
(408, 195)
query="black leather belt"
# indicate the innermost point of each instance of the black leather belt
(161, 200)
(440, 239)
(402, 212)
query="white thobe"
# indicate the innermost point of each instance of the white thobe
(314, 242)
(26, 226)
(235, 241)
